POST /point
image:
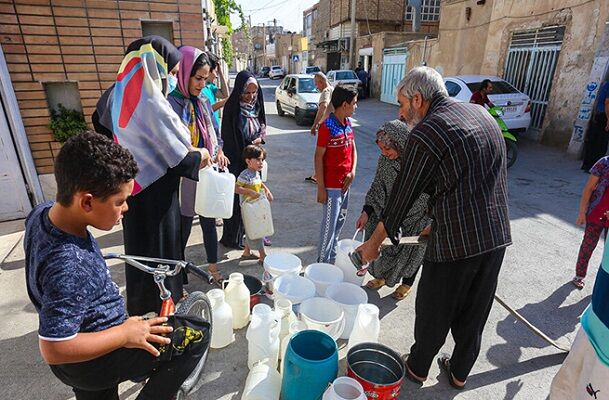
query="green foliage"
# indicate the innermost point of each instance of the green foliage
(66, 123)
(224, 9)
(227, 51)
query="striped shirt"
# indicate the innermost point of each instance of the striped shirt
(457, 155)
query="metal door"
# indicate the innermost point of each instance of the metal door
(394, 69)
(530, 66)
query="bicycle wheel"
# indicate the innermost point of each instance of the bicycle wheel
(196, 304)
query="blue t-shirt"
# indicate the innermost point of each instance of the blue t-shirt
(68, 281)
(210, 91)
(602, 96)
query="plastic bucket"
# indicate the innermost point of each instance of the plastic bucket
(278, 264)
(255, 287)
(349, 297)
(345, 388)
(311, 363)
(377, 368)
(343, 261)
(323, 315)
(294, 288)
(323, 275)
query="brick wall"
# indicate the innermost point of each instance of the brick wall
(82, 41)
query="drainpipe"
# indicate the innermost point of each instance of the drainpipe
(352, 40)
(416, 15)
(424, 60)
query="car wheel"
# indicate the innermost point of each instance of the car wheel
(298, 117)
(280, 111)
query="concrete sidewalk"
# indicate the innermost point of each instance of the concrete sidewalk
(513, 363)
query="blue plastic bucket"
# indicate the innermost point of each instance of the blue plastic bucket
(311, 362)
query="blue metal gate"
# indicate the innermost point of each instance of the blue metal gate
(394, 69)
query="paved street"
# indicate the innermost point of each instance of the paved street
(544, 189)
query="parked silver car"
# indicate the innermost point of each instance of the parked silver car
(297, 95)
(345, 78)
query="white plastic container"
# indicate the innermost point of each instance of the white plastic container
(222, 317)
(238, 298)
(278, 264)
(262, 383)
(215, 194)
(257, 218)
(344, 388)
(263, 336)
(324, 315)
(323, 275)
(343, 261)
(295, 327)
(283, 309)
(265, 171)
(349, 297)
(366, 327)
(294, 288)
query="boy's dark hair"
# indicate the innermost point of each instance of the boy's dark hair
(254, 151)
(93, 163)
(201, 61)
(342, 94)
(213, 60)
(484, 84)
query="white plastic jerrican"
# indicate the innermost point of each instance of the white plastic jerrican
(265, 171)
(215, 194)
(349, 297)
(263, 336)
(222, 316)
(344, 388)
(367, 325)
(283, 309)
(294, 288)
(323, 275)
(278, 264)
(257, 218)
(324, 315)
(262, 383)
(295, 327)
(238, 298)
(343, 261)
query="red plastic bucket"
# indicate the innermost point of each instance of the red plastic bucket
(378, 368)
(255, 287)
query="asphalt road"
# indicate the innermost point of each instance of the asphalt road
(544, 189)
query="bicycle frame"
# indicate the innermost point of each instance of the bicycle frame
(165, 268)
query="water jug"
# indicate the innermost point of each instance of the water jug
(295, 327)
(265, 171)
(238, 298)
(283, 309)
(215, 194)
(366, 327)
(262, 383)
(263, 336)
(345, 388)
(343, 261)
(222, 317)
(257, 218)
(311, 363)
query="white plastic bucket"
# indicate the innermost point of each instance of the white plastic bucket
(323, 275)
(349, 297)
(215, 194)
(343, 261)
(294, 288)
(324, 315)
(344, 388)
(278, 264)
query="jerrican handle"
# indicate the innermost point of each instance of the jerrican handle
(358, 231)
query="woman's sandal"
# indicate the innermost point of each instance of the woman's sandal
(444, 363)
(408, 373)
(401, 292)
(375, 284)
(217, 277)
(578, 282)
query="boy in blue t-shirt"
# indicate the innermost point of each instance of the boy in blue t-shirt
(84, 332)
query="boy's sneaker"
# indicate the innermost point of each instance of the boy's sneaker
(267, 241)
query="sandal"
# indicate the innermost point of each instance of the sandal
(216, 276)
(444, 363)
(375, 284)
(401, 292)
(408, 373)
(250, 256)
(578, 282)
(310, 179)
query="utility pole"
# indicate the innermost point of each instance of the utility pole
(263, 45)
(352, 40)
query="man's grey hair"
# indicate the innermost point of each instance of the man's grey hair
(321, 76)
(424, 80)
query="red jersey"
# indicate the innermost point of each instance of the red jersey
(338, 140)
(479, 98)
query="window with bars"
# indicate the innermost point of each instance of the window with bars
(430, 11)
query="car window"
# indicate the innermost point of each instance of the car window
(311, 70)
(284, 83)
(331, 76)
(275, 67)
(345, 75)
(499, 87)
(292, 83)
(452, 88)
(307, 85)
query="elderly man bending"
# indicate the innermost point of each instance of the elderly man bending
(455, 153)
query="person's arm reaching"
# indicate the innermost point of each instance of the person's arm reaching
(585, 200)
(223, 85)
(322, 195)
(219, 104)
(321, 111)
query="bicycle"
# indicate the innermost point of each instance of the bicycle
(195, 304)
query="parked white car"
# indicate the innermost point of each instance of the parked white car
(345, 78)
(276, 72)
(297, 95)
(516, 105)
(310, 70)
